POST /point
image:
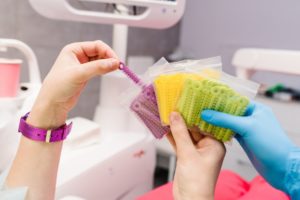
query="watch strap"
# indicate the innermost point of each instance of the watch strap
(43, 135)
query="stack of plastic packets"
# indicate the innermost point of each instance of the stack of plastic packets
(207, 94)
(189, 88)
(168, 88)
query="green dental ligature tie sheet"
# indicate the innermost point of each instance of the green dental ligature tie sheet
(199, 95)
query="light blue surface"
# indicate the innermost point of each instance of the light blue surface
(274, 156)
(11, 194)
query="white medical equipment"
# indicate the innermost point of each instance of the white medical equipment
(12, 108)
(120, 166)
(249, 60)
(156, 14)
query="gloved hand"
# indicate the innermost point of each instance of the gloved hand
(261, 137)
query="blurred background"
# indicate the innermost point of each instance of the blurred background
(47, 37)
(206, 29)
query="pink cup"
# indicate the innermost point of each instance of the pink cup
(9, 77)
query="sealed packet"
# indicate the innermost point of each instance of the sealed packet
(142, 101)
(227, 94)
(168, 81)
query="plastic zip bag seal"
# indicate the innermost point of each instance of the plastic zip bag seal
(168, 81)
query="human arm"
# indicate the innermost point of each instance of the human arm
(271, 152)
(198, 164)
(36, 163)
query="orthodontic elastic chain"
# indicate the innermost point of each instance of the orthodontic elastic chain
(145, 105)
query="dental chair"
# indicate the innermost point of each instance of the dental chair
(247, 61)
(113, 165)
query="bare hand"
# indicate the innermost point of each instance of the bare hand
(76, 64)
(198, 165)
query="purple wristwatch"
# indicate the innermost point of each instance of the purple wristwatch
(43, 135)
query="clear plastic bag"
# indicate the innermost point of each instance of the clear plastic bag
(188, 66)
(168, 81)
(191, 87)
(142, 101)
(144, 105)
(227, 94)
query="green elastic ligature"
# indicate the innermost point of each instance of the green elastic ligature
(199, 95)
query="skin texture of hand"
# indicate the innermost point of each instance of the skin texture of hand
(36, 163)
(76, 64)
(198, 164)
(261, 137)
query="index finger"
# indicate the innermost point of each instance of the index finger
(171, 140)
(85, 51)
(184, 143)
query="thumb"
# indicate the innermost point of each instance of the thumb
(97, 67)
(184, 144)
(235, 123)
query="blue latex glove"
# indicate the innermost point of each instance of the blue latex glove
(262, 138)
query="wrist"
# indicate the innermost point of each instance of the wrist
(291, 184)
(46, 115)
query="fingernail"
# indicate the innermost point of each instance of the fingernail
(114, 63)
(206, 115)
(111, 63)
(174, 117)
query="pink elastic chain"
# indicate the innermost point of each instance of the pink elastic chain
(131, 75)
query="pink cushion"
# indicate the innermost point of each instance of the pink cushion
(230, 186)
(261, 190)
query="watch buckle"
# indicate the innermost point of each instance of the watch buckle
(48, 136)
